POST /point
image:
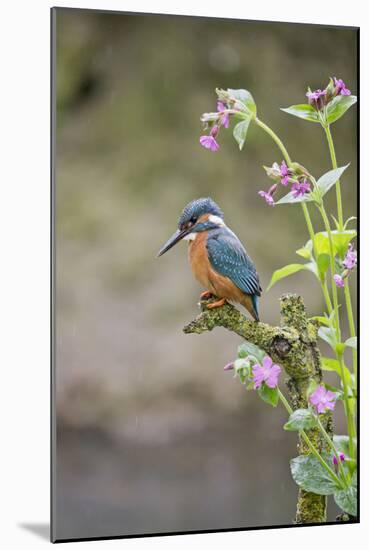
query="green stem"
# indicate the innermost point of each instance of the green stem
(310, 445)
(331, 258)
(327, 297)
(304, 206)
(351, 321)
(333, 447)
(338, 184)
(340, 221)
(276, 139)
(311, 233)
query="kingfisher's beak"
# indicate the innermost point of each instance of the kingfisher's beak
(174, 239)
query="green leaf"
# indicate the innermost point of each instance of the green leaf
(340, 239)
(290, 199)
(342, 444)
(240, 132)
(321, 320)
(350, 219)
(311, 387)
(247, 348)
(301, 419)
(305, 251)
(351, 342)
(338, 106)
(329, 364)
(245, 98)
(242, 368)
(269, 395)
(347, 500)
(328, 179)
(288, 270)
(328, 334)
(305, 111)
(323, 262)
(311, 476)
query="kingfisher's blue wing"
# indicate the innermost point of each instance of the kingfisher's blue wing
(229, 258)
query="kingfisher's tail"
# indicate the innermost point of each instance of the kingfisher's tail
(251, 303)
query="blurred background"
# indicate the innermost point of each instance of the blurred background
(152, 434)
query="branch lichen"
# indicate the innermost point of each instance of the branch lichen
(293, 345)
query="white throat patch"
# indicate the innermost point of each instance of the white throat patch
(190, 237)
(217, 220)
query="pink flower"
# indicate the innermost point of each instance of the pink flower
(351, 258)
(317, 98)
(300, 188)
(224, 119)
(284, 173)
(209, 142)
(339, 281)
(322, 399)
(267, 196)
(341, 457)
(229, 366)
(341, 87)
(314, 96)
(267, 373)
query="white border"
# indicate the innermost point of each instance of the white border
(25, 265)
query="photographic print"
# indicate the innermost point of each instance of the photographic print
(204, 274)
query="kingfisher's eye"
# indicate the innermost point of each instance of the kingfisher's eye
(193, 219)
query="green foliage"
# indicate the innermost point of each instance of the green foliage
(305, 251)
(335, 110)
(323, 262)
(290, 199)
(310, 475)
(323, 185)
(332, 365)
(247, 348)
(328, 334)
(301, 419)
(269, 395)
(338, 106)
(305, 111)
(245, 101)
(289, 270)
(351, 342)
(342, 445)
(340, 240)
(329, 179)
(347, 500)
(240, 132)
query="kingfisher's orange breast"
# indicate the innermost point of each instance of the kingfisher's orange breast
(202, 269)
(199, 261)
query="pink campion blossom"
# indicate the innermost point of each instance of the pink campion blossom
(224, 120)
(322, 399)
(284, 173)
(267, 373)
(341, 457)
(209, 142)
(339, 281)
(299, 188)
(314, 96)
(351, 258)
(267, 197)
(229, 366)
(341, 87)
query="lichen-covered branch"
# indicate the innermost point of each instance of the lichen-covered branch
(293, 345)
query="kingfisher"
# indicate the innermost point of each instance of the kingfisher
(217, 257)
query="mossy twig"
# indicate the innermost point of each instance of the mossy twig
(293, 345)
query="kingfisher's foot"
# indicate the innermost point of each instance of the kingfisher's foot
(218, 303)
(205, 295)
